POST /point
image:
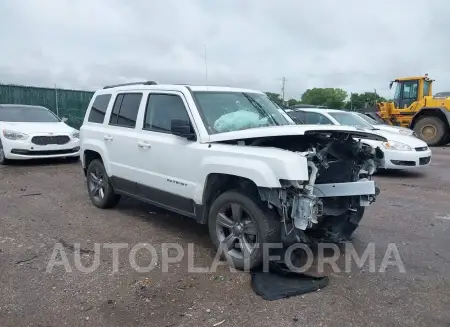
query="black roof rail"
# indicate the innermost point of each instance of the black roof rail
(134, 83)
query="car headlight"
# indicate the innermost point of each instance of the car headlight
(76, 134)
(13, 135)
(394, 145)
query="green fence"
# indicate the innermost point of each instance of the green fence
(71, 104)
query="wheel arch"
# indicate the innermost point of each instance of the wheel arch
(218, 183)
(89, 156)
(440, 112)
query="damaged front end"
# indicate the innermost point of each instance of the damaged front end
(329, 206)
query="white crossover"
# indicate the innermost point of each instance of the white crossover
(229, 158)
(31, 132)
(400, 151)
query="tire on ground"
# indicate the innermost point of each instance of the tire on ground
(267, 223)
(3, 160)
(441, 130)
(110, 198)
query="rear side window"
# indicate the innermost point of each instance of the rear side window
(125, 110)
(161, 109)
(98, 110)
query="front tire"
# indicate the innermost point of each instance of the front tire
(99, 186)
(432, 130)
(3, 160)
(242, 225)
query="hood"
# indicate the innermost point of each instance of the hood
(395, 129)
(410, 140)
(286, 130)
(37, 128)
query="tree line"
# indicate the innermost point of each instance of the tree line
(331, 98)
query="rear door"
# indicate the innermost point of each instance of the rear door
(168, 164)
(121, 140)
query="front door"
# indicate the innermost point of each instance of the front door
(168, 163)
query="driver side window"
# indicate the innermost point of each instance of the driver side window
(161, 110)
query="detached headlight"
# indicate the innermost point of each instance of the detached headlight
(76, 134)
(12, 135)
(393, 145)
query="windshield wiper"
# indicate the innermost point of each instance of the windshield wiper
(260, 108)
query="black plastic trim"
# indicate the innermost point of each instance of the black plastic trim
(134, 83)
(43, 152)
(162, 199)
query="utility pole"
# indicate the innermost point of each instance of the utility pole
(351, 102)
(283, 84)
(206, 68)
(56, 101)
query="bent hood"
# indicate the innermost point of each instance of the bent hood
(286, 130)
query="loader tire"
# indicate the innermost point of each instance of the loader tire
(447, 139)
(432, 130)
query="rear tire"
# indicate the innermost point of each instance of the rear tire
(432, 130)
(99, 186)
(256, 227)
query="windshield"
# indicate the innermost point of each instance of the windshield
(350, 119)
(19, 114)
(371, 121)
(398, 88)
(232, 111)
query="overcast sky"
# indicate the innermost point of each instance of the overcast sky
(352, 44)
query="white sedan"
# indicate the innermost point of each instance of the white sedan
(401, 151)
(386, 127)
(31, 132)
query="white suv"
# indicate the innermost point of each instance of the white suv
(229, 158)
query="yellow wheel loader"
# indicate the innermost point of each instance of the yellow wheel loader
(415, 107)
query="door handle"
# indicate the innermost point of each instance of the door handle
(107, 137)
(143, 145)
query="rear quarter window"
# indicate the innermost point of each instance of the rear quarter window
(98, 110)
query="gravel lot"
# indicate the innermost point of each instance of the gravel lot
(43, 203)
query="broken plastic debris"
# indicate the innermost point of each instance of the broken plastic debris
(282, 282)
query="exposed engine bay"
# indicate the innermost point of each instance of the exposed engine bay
(331, 203)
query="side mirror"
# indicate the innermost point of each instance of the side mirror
(182, 128)
(64, 119)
